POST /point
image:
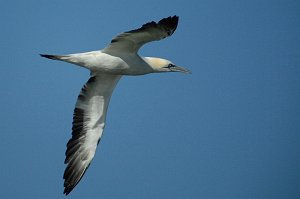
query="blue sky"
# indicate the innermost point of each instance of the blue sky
(229, 130)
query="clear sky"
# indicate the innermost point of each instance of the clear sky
(229, 130)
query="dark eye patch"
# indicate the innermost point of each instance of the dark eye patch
(171, 65)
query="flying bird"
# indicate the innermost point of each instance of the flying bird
(107, 66)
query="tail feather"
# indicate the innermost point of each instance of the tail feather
(54, 57)
(71, 58)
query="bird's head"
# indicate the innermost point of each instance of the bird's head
(162, 65)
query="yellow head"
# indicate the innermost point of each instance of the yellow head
(163, 65)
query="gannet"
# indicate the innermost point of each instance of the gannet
(107, 66)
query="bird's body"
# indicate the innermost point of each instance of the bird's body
(107, 66)
(104, 63)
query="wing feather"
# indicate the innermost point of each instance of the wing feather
(131, 41)
(88, 124)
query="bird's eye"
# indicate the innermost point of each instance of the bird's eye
(171, 65)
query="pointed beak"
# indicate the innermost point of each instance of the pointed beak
(180, 69)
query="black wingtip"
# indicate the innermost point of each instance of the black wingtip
(170, 22)
(175, 17)
(69, 187)
(68, 190)
(49, 56)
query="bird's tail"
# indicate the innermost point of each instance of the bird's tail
(77, 59)
(54, 57)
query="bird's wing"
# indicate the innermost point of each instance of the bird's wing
(131, 41)
(88, 124)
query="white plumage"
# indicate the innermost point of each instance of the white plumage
(107, 66)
